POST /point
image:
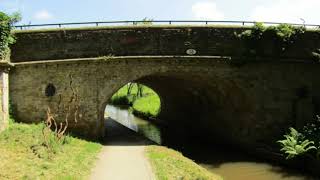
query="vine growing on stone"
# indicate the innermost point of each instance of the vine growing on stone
(282, 36)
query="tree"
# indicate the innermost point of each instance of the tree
(6, 37)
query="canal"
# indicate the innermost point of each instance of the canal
(224, 161)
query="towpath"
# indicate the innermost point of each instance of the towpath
(122, 157)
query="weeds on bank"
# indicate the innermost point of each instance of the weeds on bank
(282, 36)
(22, 155)
(53, 137)
(294, 144)
(306, 142)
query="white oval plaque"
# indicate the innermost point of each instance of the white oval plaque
(191, 51)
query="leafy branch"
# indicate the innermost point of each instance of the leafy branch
(282, 36)
(293, 145)
(6, 37)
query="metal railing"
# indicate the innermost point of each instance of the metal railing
(160, 22)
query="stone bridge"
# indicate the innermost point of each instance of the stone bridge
(207, 82)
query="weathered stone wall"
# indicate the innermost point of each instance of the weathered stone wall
(153, 40)
(236, 100)
(4, 97)
(249, 104)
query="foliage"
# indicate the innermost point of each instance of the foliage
(169, 164)
(22, 157)
(294, 144)
(53, 131)
(120, 100)
(311, 131)
(282, 36)
(6, 38)
(143, 100)
(147, 106)
(54, 140)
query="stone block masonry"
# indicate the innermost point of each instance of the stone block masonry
(4, 95)
(210, 94)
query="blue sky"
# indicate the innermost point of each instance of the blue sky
(54, 11)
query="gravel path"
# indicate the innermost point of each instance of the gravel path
(122, 157)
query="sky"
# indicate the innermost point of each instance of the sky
(61, 11)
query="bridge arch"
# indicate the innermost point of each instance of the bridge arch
(235, 104)
(195, 105)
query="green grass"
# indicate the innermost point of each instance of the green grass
(168, 164)
(20, 159)
(148, 105)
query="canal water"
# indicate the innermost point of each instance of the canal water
(228, 163)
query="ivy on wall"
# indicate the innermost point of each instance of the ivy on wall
(6, 38)
(281, 36)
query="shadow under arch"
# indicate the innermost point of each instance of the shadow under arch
(198, 108)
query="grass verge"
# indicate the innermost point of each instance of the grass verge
(147, 106)
(168, 164)
(19, 159)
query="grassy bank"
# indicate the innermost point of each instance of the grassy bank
(21, 159)
(148, 105)
(168, 164)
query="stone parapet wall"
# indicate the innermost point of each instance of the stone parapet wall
(57, 44)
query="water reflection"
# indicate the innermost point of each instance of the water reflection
(124, 117)
(252, 171)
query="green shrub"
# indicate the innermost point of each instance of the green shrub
(294, 144)
(311, 131)
(120, 100)
(6, 38)
(282, 35)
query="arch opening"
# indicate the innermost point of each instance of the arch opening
(193, 108)
(134, 106)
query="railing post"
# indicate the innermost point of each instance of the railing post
(169, 22)
(206, 22)
(59, 25)
(97, 24)
(242, 23)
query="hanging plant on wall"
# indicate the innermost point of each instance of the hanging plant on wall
(258, 38)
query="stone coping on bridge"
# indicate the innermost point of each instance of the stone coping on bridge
(39, 30)
(116, 58)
